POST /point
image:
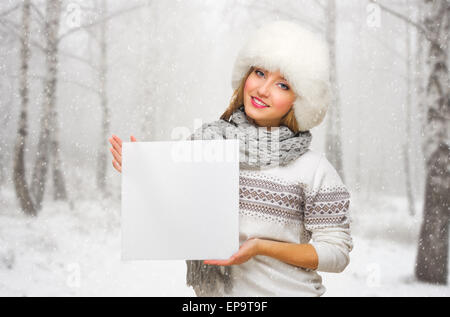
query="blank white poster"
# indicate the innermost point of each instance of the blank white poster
(180, 200)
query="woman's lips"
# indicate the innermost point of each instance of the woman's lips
(257, 105)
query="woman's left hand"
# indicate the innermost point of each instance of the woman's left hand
(246, 251)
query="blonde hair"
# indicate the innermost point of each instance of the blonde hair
(237, 100)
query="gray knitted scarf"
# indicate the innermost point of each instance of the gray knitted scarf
(259, 149)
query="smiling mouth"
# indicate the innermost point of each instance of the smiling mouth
(258, 103)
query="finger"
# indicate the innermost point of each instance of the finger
(118, 140)
(116, 146)
(218, 262)
(116, 166)
(116, 156)
(133, 139)
(211, 262)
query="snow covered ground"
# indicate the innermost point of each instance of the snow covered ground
(76, 252)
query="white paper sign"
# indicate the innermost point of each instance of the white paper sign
(180, 200)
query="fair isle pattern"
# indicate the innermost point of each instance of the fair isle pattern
(268, 213)
(270, 198)
(327, 207)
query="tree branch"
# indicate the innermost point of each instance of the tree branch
(8, 11)
(78, 58)
(419, 27)
(14, 28)
(89, 25)
(39, 13)
(65, 81)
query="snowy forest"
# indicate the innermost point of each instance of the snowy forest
(72, 73)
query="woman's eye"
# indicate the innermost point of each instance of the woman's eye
(260, 73)
(286, 87)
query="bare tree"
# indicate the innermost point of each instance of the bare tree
(59, 184)
(48, 144)
(101, 160)
(97, 30)
(6, 106)
(333, 144)
(53, 12)
(19, 171)
(432, 255)
(420, 79)
(148, 123)
(408, 142)
(8, 88)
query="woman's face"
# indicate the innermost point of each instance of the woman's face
(271, 89)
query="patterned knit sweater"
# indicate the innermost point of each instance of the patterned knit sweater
(303, 202)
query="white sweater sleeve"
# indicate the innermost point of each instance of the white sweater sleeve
(327, 205)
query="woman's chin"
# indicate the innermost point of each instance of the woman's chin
(256, 113)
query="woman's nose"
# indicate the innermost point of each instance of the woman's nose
(264, 89)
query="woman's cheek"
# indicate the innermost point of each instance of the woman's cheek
(247, 86)
(250, 84)
(282, 103)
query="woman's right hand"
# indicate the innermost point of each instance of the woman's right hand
(116, 151)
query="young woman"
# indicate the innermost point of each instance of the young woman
(293, 207)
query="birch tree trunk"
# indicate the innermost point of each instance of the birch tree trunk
(102, 153)
(59, 184)
(333, 144)
(149, 118)
(7, 106)
(19, 171)
(419, 84)
(408, 144)
(432, 256)
(53, 11)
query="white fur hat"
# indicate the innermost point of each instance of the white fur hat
(301, 56)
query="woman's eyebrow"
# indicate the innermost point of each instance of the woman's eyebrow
(263, 69)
